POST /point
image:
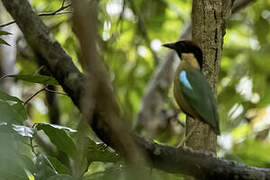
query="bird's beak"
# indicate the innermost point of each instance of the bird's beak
(169, 45)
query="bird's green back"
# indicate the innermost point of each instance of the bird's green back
(200, 97)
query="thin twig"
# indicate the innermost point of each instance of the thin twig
(63, 3)
(121, 14)
(174, 117)
(38, 70)
(57, 12)
(32, 147)
(238, 5)
(3, 77)
(31, 97)
(143, 31)
(57, 92)
(186, 137)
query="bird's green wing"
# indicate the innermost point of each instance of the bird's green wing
(197, 92)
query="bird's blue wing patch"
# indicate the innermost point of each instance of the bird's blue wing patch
(183, 79)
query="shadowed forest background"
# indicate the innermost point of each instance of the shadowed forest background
(130, 35)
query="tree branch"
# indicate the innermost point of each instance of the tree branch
(57, 12)
(240, 4)
(200, 165)
(99, 96)
(53, 105)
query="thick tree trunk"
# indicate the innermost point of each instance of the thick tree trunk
(208, 29)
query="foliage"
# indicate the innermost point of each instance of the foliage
(2, 41)
(24, 157)
(46, 80)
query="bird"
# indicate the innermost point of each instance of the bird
(192, 91)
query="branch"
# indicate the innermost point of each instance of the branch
(32, 96)
(53, 105)
(200, 165)
(57, 12)
(241, 4)
(106, 114)
(143, 31)
(99, 96)
(46, 49)
(165, 158)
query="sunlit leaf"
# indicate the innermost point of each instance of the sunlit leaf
(41, 79)
(23, 130)
(58, 127)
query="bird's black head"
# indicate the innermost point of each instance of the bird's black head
(187, 47)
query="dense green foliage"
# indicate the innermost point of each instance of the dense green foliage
(131, 34)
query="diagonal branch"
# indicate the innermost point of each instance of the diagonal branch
(199, 165)
(100, 93)
(240, 4)
(57, 12)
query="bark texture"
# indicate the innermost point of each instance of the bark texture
(208, 29)
(199, 165)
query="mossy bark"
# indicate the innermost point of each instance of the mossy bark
(208, 29)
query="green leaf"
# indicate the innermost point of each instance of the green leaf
(45, 169)
(61, 177)
(100, 152)
(2, 33)
(60, 168)
(28, 163)
(11, 163)
(10, 169)
(16, 129)
(6, 97)
(248, 152)
(9, 114)
(3, 42)
(59, 137)
(41, 79)
(60, 127)
(19, 107)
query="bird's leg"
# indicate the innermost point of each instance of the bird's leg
(186, 137)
